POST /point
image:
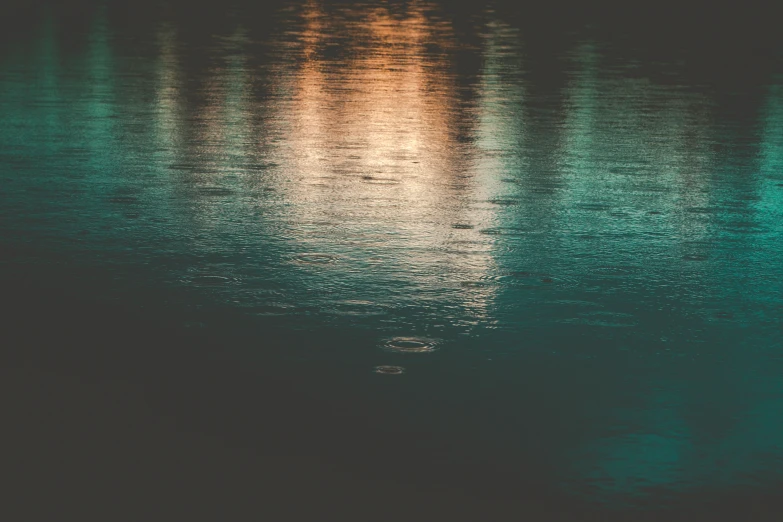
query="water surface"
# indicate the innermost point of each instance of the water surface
(553, 249)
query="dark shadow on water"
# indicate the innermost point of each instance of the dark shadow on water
(115, 399)
(119, 401)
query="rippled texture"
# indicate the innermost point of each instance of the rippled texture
(570, 238)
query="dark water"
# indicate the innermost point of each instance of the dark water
(535, 259)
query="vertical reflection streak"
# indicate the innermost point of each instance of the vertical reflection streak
(375, 161)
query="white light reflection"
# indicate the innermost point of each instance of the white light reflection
(379, 175)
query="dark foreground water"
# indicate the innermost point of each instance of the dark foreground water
(439, 259)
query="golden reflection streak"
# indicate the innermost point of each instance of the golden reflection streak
(375, 155)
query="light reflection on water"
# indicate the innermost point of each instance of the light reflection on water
(393, 171)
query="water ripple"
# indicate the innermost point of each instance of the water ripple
(386, 369)
(316, 258)
(410, 345)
